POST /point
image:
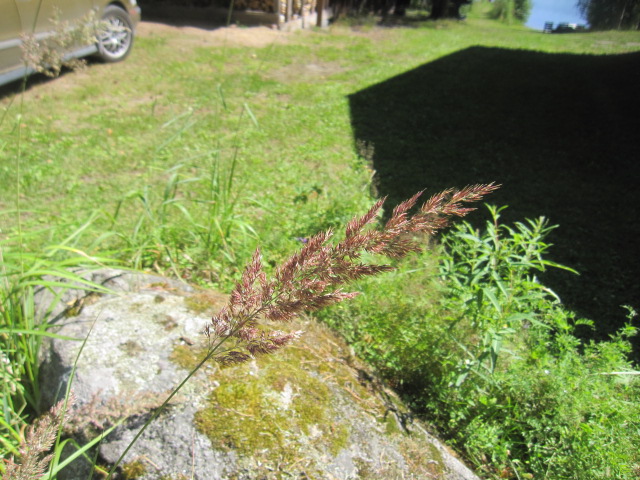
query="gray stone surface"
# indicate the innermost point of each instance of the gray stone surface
(124, 357)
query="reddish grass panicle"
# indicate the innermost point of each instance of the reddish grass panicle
(311, 278)
(35, 451)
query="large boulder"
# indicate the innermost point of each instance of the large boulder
(310, 411)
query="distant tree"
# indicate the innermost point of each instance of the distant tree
(446, 8)
(611, 14)
(512, 10)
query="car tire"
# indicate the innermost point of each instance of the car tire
(115, 38)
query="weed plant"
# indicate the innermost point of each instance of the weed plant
(492, 287)
(48, 55)
(493, 361)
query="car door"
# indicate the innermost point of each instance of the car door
(10, 29)
(39, 17)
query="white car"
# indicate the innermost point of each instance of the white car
(38, 19)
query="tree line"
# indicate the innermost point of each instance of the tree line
(611, 14)
(600, 14)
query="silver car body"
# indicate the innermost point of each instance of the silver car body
(19, 17)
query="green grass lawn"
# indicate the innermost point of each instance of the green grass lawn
(438, 104)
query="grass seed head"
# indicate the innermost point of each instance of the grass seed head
(311, 278)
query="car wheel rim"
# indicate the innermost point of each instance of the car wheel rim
(116, 37)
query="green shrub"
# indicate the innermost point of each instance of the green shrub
(509, 11)
(559, 410)
(492, 288)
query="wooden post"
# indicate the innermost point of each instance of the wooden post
(277, 7)
(287, 16)
(319, 11)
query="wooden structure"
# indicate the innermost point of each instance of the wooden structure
(288, 14)
(281, 14)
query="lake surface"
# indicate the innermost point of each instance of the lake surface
(556, 11)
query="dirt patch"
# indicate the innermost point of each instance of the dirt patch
(306, 71)
(182, 37)
(257, 37)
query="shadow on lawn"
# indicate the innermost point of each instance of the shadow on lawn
(558, 131)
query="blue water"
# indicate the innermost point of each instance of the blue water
(556, 11)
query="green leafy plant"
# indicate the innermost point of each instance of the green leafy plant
(492, 284)
(560, 409)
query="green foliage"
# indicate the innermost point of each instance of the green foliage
(510, 11)
(189, 228)
(560, 409)
(492, 285)
(489, 355)
(611, 14)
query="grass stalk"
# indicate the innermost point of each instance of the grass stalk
(156, 413)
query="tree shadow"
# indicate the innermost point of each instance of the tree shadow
(15, 88)
(558, 131)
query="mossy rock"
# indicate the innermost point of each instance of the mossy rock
(314, 411)
(311, 411)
